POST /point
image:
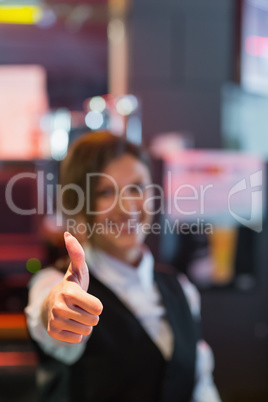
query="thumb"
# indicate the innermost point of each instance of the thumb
(77, 270)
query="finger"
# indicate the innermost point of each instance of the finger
(78, 270)
(72, 326)
(85, 301)
(77, 314)
(65, 336)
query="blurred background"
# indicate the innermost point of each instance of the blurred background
(189, 79)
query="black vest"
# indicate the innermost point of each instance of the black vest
(121, 363)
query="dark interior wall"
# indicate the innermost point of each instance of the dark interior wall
(75, 61)
(180, 54)
(235, 322)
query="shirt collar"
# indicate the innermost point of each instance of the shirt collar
(113, 272)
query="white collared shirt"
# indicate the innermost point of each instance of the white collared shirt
(138, 291)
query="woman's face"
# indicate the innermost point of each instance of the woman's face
(122, 209)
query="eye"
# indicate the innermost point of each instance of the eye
(137, 188)
(106, 192)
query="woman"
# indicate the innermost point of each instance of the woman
(145, 344)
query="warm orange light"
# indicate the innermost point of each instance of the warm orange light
(118, 6)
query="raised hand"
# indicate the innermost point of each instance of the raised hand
(69, 312)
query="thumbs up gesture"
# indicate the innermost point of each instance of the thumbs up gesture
(69, 312)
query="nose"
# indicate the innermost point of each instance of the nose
(129, 204)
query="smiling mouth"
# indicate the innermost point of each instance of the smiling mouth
(125, 226)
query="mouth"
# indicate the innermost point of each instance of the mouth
(126, 226)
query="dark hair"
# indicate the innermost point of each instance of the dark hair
(91, 153)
